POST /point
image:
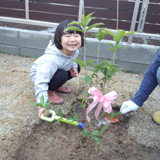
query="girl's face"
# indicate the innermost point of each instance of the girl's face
(70, 43)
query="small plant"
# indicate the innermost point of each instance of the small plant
(117, 37)
(85, 27)
(95, 135)
(42, 103)
(75, 118)
(100, 36)
(106, 68)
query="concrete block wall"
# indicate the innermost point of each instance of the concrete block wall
(136, 57)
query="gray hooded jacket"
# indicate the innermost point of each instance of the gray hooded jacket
(44, 68)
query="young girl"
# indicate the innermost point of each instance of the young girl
(50, 71)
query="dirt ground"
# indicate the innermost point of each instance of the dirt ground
(25, 137)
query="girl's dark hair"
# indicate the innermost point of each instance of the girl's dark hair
(59, 33)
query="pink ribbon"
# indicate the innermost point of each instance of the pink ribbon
(104, 101)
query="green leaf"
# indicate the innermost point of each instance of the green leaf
(73, 23)
(105, 71)
(69, 107)
(104, 128)
(90, 62)
(87, 79)
(96, 139)
(37, 104)
(116, 114)
(75, 117)
(111, 45)
(32, 104)
(119, 35)
(47, 104)
(109, 32)
(83, 18)
(88, 18)
(111, 114)
(121, 47)
(100, 133)
(93, 26)
(42, 100)
(108, 114)
(60, 112)
(83, 24)
(96, 132)
(129, 33)
(101, 85)
(86, 133)
(80, 62)
(94, 35)
(100, 36)
(112, 49)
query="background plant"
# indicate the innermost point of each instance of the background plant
(117, 37)
(100, 36)
(85, 27)
(106, 68)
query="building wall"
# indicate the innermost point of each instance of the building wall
(136, 57)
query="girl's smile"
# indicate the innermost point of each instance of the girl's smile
(70, 43)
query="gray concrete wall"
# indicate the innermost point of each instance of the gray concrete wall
(136, 57)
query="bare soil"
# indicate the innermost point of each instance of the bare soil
(25, 137)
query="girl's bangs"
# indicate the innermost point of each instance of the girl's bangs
(72, 31)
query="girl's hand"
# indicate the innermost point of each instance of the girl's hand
(40, 111)
(74, 72)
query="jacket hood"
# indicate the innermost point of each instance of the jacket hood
(52, 49)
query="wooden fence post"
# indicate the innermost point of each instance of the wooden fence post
(81, 10)
(27, 9)
(143, 16)
(134, 18)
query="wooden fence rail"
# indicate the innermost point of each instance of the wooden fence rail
(105, 11)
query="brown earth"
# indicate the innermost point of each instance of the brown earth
(25, 137)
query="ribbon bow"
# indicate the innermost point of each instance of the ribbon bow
(104, 101)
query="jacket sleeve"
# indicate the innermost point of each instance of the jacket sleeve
(45, 72)
(149, 82)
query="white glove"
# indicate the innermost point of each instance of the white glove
(128, 106)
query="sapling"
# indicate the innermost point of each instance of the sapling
(75, 118)
(117, 37)
(85, 27)
(108, 69)
(42, 104)
(100, 36)
(95, 135)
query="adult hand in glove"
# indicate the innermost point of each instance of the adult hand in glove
(128, 106)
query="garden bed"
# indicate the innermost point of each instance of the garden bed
(24, 136)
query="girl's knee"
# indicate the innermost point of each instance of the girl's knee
(60, 76)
